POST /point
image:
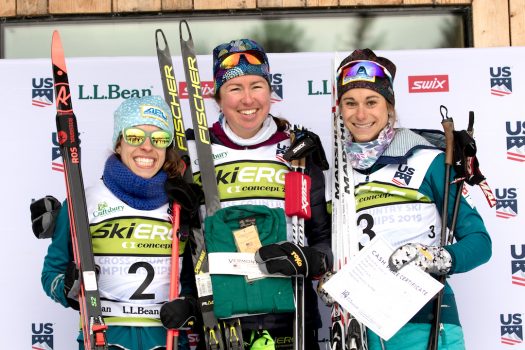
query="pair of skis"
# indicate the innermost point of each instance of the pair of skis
(346, 333)
(93, 326)
(213, 332)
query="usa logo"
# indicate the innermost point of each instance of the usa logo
(403, 175)
(42, 336)
(515, 141)
(42, 92)
(511, 329)
(56, 163)
(500, 81)
(518, 265)
(276, 81)
(506, 203)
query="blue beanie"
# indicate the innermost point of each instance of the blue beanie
(147, 110)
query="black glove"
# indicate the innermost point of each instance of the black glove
(307, 143)
(72, 285)
(44, 212)
(188, 195)
(181, 313)
(289, 259)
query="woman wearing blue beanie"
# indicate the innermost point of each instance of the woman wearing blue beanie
(131, 231)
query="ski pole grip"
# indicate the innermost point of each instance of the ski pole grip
(297, 194)
(448, 127)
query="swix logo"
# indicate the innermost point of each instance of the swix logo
(276, 81)
(511, 329)
(297, 258)
(207, 89)
(42, 336)
(42, 92)
(403, 175)
(427, 83)
(500, 81)
(515, 141)
(305, 203)
(506, 203)
(518, 264)
(56, 165)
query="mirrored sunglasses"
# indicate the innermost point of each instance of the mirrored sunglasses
(136, 137)
(232, 60)
(363, 71)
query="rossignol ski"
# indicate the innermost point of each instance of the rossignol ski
(232, 327)
(346, 332)
(212, 331)
(93, 326)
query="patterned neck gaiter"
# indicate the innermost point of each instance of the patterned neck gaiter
(364, 155)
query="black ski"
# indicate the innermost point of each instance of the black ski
(212, 332)
(232, 327)
(93, 326)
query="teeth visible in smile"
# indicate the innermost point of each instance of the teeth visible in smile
(363, 125)
(249, 111)
(144, 162)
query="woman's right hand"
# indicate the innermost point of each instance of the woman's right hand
(180, 313)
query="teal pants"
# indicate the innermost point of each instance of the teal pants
(414, 336)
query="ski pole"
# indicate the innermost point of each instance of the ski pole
(298, 208)
(448, 127)
(173, 334)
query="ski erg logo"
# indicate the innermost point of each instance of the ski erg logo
(428, 83)
(500, 81)
(42, 336)
(518, 265)
(506, 203)
(515, 141)
(511, 329)
(403, 175)
(42, 92)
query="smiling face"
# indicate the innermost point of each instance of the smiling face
(144, 160)
(365, 113)
(245, 103)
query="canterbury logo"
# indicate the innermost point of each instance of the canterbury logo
(297, 259)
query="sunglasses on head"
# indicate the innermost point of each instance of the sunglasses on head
(232, 60)
(136, 137)
(363, 71)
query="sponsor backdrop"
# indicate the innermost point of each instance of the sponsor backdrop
(490, 82)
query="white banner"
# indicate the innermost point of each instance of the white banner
(490, 82)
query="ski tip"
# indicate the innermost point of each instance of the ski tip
(187, 30)
(57, 52)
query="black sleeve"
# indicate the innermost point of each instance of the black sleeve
(318, 228)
